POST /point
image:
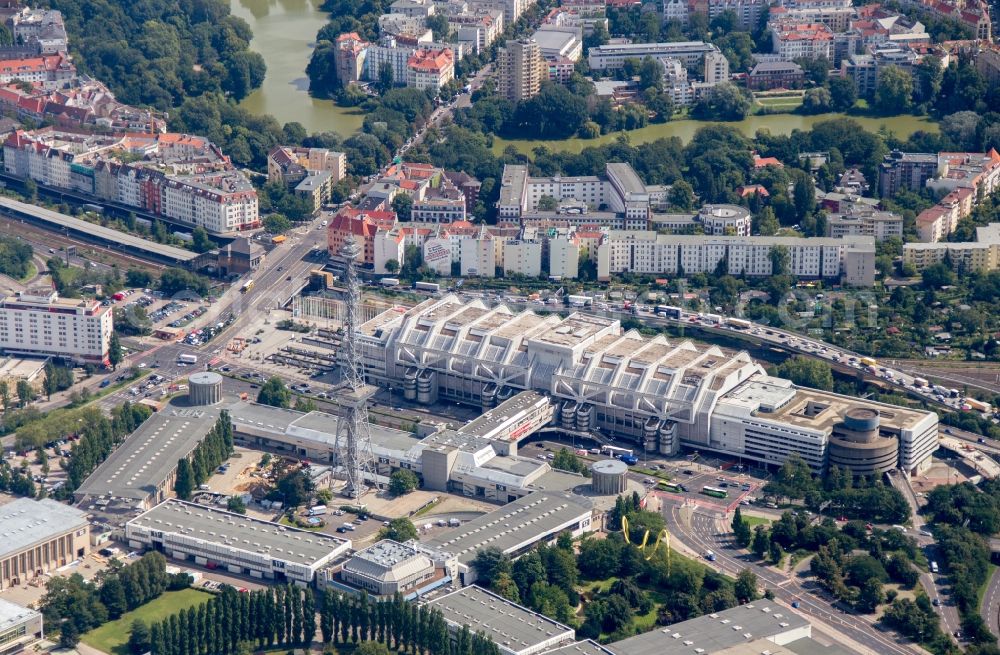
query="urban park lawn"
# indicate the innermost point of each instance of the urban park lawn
(112, 637)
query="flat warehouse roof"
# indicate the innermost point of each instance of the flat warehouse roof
(511, 626)
(25, 522)
(587, 647)
(239, 532)
(714, 632)
(514, 524)
(493, 419)
(137, 467)
(13, 615)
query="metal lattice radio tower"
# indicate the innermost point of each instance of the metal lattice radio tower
(354, 439)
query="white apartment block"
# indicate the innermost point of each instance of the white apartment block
(807, 40)
(39, 322)
(981, 255)
(478, 257)
(564, 257)
(747, 11)
(387, 52)
(522, 258)
(880, 225)
(613, 55)
(849, 259)
(619, 190)
(478, 31)
(388, 245)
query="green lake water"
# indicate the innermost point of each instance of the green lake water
(284, 33)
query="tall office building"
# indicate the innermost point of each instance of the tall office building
(522, 69)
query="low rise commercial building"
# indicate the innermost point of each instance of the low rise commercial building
(759, 622)
(240, 544)
(556, 43)
(141, 472)
(514, 629)
(38, 322)
(387, 567)
(38, 537)
(20, 628)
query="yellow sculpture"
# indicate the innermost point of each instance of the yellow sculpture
(664, 536)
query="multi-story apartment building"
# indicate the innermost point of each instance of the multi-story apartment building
(974, 14)
(849, 259)
(391, 52)
(512, 9)
(962, 177)
(791, 40)
(39, 322)
(613, 55)
(430, 69)
(478, 31)
(521, 68)
(478, 256)
(413, 8)
(748, 12)
(43, 27)
(858, 222)
(182, 178)
(47, 71)
(980, 256)
(363, 226)
(907, 171)
(349, 58)
(564, 256)
(290, 164)
(522, 258)
(837, 18)
(436, 199)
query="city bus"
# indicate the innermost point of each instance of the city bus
(715, 492)
(616, 451)
(668, 486)
(246, 286)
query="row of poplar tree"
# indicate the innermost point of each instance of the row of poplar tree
(232, 623)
